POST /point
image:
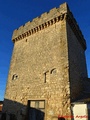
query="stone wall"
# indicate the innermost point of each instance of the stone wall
(41, 63)
(77, 64)
(41, 66)
(40, 21)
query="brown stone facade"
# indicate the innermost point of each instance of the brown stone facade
(47, 67)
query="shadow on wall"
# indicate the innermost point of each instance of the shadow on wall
(88, 112)
(61, 118)
(35, 114)
(13, 110)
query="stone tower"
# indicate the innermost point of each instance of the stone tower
(47, 68)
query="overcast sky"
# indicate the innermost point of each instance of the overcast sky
(14, 13)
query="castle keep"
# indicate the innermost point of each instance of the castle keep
(47, 68)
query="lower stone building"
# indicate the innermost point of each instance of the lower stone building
(48, 71)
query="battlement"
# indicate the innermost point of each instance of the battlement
(47, 19)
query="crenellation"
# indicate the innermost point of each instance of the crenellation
(63, 8)
(43, 17)
(45, 20)
(26, 26)
(52, 13)
(34, 23)
(20, 30)
(38, 21)
(35, 19)
(14, 34)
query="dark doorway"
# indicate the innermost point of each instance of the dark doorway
(61, 118)
(35, 114)
(36, 109)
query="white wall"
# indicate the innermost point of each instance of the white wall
(80, 112)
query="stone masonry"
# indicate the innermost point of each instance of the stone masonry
(48, 64)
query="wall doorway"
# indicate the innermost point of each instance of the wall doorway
(36, 109)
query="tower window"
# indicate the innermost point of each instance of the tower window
(53, 71)
(38, 104)
(14, 77)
